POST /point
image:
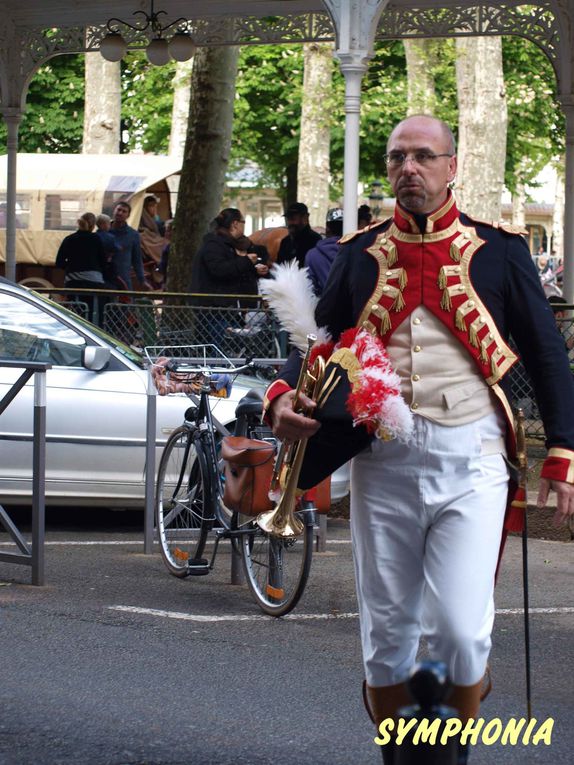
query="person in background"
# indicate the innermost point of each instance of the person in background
(129, 254)
(301, 236)
(109, 243)
(319, 258)
(81, 255)
(364, 217)
(220, 269)
(150, 218)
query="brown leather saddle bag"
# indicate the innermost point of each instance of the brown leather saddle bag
(248, 470)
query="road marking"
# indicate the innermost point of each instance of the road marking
(119, 543)
(294, 617)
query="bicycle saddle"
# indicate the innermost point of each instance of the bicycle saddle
(251, 403)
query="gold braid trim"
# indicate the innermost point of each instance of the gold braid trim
(391, 254)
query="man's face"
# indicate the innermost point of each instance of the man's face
(296, 222)
(121, 214)
(421, 188)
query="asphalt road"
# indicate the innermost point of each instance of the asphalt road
(114, 662)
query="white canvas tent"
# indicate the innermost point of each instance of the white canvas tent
(54, 189)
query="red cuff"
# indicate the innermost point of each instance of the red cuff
(559, 465)
(276, 389)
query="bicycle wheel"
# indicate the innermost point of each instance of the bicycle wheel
(182, 504)
(276, 569)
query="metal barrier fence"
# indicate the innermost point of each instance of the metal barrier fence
(30, 554)
(522, 391)
(171, 319)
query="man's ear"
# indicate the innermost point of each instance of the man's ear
(453, 166)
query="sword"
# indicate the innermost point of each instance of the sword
(522, 460)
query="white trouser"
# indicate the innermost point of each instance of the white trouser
(426, 521)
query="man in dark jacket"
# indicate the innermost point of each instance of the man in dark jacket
(319, 258)
(301, 236)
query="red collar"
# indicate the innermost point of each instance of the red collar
(438, 220)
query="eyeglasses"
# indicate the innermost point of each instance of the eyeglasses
(422, 158)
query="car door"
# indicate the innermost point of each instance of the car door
(95, 421)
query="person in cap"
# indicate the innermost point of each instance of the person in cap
(301, 236)
(319, 258)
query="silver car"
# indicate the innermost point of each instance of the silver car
(95, 408)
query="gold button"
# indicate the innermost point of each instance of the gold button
(414, 405)
(457, 270)
(375, 307)
(490, 336)
(416, 320)
(417, 348)
(386, 288)
(389, 273)
(470, 303)
(382, 240)
(415, 378)
(482, 319)
(467, 235)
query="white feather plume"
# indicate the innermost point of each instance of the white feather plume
(291, 298)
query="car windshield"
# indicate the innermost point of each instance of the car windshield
(134, 356)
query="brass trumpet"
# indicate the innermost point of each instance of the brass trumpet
(282, 521)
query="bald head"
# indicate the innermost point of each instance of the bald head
(422, 121)
(421, 162)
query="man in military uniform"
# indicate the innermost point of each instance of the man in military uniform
(444, 293)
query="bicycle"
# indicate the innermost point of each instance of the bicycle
(189, 504)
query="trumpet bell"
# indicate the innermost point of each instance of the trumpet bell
(278, 523)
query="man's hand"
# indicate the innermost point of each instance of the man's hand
(565, 496)
(287, 424)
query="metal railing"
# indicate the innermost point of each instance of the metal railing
(521, 388)
(30, 555)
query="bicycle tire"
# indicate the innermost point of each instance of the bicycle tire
(182, 501)
(276, 569)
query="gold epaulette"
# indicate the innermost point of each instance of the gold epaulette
(353, 234)
(508, 228)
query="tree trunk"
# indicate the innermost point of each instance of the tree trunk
(421, 94)
(316, 118)
(482, 125)
(206, 157)
(103, 104)
(180, 112)
(557, 246)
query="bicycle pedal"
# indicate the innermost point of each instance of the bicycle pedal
(198, 566)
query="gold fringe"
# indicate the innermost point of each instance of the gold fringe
(473, 336)
(454, 252)
(442, 279)
(494, 366)
(459, 320)
(483, 354)
(445, 301)
(398, 303)
(391, 254)
(403, 278)
(385, 322)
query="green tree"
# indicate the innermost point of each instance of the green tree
(536, 128)
(268, 113)
(147, 100)
(53, 120)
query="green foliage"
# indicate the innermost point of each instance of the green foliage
(147, 99)
(53, 121)
(536, 127)
(268, 110)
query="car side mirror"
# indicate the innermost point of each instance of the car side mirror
(95, 357)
